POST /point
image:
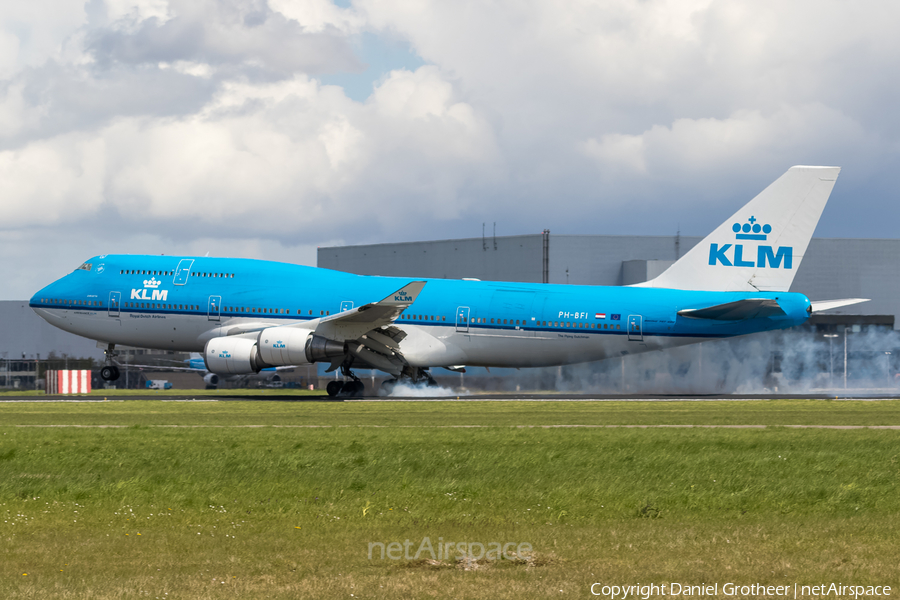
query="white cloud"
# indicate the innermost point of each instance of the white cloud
(747, 138)
(129, 14)
(188, 67)
(36, 31)
(207, 118)
(294, 149)
(319, 15)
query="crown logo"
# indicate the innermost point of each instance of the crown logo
(751, 230)
(151, 283)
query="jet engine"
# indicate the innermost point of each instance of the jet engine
(291, 346)
(274, 347)
(233, 355)
(211, 380)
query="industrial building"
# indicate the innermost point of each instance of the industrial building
(831, 268)
(863, 337)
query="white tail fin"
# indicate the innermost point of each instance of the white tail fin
(760, 247)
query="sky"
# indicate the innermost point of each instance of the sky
(266, 129)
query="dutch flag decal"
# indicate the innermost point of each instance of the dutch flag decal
(600, 316)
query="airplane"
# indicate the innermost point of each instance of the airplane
(196, 364)
(246, 315)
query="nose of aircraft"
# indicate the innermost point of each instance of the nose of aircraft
(40, 297)
(45, 299)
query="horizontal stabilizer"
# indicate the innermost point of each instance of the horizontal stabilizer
(820, 305)
(736, 311)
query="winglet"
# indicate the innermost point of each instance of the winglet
(405, 295)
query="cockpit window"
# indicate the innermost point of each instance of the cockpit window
(84, 267)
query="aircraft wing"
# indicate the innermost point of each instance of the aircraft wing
(241, 328)
(356, 322)
(736, 311)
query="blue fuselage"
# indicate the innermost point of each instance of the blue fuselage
(179, 303)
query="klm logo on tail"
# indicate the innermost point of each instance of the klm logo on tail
(732, 255)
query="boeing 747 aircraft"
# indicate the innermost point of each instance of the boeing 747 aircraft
(248, 315)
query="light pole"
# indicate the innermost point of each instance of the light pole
(831, 337)
(845, 356)
(887, 360)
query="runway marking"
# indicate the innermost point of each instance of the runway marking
(892, 427)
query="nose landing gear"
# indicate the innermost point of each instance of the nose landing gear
(110, 372)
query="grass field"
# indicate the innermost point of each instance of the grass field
(283, 499)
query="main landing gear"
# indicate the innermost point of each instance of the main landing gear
(346, 389)
(110, 372)
(412, 376)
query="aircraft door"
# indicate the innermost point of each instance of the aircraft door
(183, 271)
(115, 299)
(346, 305)
(635, 328)
(215, 307)
(462, 319)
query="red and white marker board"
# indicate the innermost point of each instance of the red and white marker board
(68, 382)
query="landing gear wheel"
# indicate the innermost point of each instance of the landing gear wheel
(354, 388)
(334, 388)
(109, 373)
(387, 387)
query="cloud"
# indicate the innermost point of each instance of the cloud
(292, 148)
(707, 146)
(233, 34)
(208, 119)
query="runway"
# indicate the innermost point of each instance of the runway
(857, 395)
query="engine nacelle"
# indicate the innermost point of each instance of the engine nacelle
(282, 346)
(233, 355)
(211, 379)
